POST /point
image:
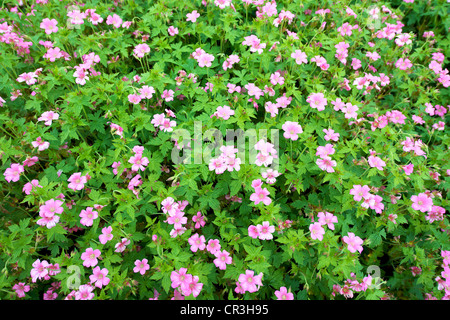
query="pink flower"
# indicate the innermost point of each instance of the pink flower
(77, 181)
(20, 289)
(141, 49)
(224, 112)
(193, 16)
(114, 20)
(85, 292)
(197, 242)
(199, 220)
(265, 231)
(13, 172)
(253, 231)
(48, 117)
(99, 276)
(422, 202)
(88, 216)
(276, 78)
(317, 101)
(213, 246)
(283, 294)
(49, 25)
(317, 231)
(193, 287)
(40, 144)
(177, 219)
(138, 162)
(403, 63)
(360, 192)
(249, 281)
(90, 256)
(222, 259)
(331, 135)
(299, 56)
(327, 218)
(325, 163)
(205, 60)
(39, 270)
(172, 31)
(29, 78)
(141, 266)
(180, 278)
(270, 175)
(353, 242)
(106, 235)
(376, 162)
(29, 186)
(261, 195)
(291, 130)
(408, 169)
(121, 246)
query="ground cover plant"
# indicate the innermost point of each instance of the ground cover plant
(224, 150)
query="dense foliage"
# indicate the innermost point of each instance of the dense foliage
(119, 179)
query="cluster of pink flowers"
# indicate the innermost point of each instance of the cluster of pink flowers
(284, 15)
(321, 62)
(352, 285)
(409, 144)
(226, 160)
(260, 194)
(262, 231)
(228, 63)
(43, 270)
(281, 102)
(316, 228)
(254, 43)
(187, 283)
(175, 215)
(266, 153)
(342, 52)
(444, 282)
(371, 201)
(325, 162)
(83, 70)
(164, 124)
(204, 59)
(49, 213)
(248, 281)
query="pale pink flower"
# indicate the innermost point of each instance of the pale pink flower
(121, 246)
(29, 186)
(20, 289)
(317, 101)
(13, 172)
(49, 25)
(283, 294)
(422, 202)
(291, 130)
(376, 162)
(360, 192)
(213, 246)
(141, 266)
(327, 218)
(197, 242)
(331, 135)
(179, 278)
(261, 195)
(193, 16)
(265, 231)
(77, 181)
(48, 117)
(403, 64)
(249, 281)
(114, 20)
(172, 31)
(193, 287)
(40, 144)
(317, 231)
(90, 256)
(222, 259)
(353, 242)
(39, 270)
(88, 216)
(84, 292)
(199, 220)
(299, 56)
(99, 277)
(106, 235)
